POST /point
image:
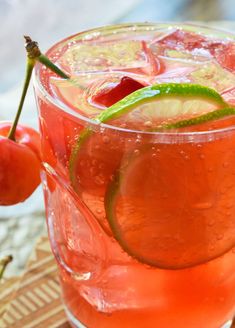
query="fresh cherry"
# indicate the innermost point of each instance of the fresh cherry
(20, 145)
(19, 164)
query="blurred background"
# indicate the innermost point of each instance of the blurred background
(51, 20)
(47, 22)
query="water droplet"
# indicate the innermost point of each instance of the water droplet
(111, 177)
(186, 157)
(199, 146)
(136, 151)
(99, 180)
(106, 139)
(93, 171)
(82, 162)
(81, 276)
(223, 191)
(201, 156)
(220, 236)
(203, 205)
(211, 247)
(98, 211)
(211, 223)
(154, 155)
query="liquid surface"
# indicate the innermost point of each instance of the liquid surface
(98, 62)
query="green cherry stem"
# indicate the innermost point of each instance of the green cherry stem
(33, 54)
(3, 264)
(29, 68)
(45, 61)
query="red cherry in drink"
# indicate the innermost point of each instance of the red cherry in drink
(114, 93)
(19, 164)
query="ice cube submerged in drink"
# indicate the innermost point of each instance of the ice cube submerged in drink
(142, 223)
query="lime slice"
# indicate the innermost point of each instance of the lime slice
(164, 216)
(214, 115)
(166, 101)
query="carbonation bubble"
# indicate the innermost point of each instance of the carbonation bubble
(136, 151)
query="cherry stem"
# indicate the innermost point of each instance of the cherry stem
(46, 61)
(33, 54)
(3, 264)
(29, 68)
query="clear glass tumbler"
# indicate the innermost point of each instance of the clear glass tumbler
(141, 223)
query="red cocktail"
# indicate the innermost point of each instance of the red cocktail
(142, 223)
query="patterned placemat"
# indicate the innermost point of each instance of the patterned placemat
(33, 301)
(7, 290)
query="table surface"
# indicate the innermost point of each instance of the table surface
(21, 225)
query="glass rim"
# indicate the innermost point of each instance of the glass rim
(91, 122)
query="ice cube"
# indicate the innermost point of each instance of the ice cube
(229, 95)
(76, 237)
(103, 56)
(182, 40)
(192, 46)
(214, 76)
(123, 287)
(225, 55)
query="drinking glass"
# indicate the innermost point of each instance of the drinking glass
(141, 223)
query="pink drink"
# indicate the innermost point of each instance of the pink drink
(182, 183)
